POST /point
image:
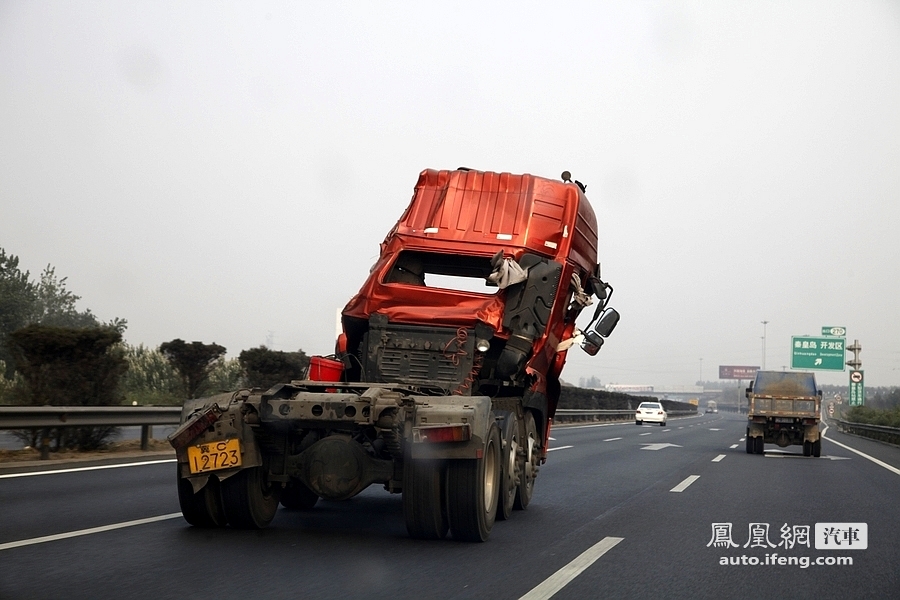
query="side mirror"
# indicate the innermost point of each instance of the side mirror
(604, 326)
(591, 343)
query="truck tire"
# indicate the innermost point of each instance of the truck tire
(473, 490)
(203, 509)
(760, 442)
(296, 496)
(423, 499)
(528, 462)
(807, 448)
(817, 448)
(510, 468)
(749, 440)
(250, 501)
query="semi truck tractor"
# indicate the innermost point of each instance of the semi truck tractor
(445, 377)
(784, 409)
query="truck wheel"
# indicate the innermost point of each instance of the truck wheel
(759, 445)
(749, 444)
(817, 448)
(423, 499)
(528, 462)
(473, 490)
(296, 496)
(250, 501)
(510, 471)
(203, 509)
(807, 448)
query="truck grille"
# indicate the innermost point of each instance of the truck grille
(418, 354)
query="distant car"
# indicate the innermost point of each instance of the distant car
(651, 412)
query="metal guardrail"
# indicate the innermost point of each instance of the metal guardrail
(882, 433)
(48, 417)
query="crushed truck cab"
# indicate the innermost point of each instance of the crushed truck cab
(445, 378)
(784, 409)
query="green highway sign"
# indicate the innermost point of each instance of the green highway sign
(836, 331)
(822, 353)
(857, 389)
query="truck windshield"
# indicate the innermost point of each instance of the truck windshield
(442, 271)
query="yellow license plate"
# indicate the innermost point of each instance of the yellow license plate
(214, 456)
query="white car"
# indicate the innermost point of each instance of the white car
(650, 412)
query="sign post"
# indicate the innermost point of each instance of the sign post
(818, 353)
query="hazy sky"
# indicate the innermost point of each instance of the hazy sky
(224, 172)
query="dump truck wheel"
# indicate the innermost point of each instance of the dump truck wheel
(423, 499)
(511, 472)
(760, 443)
(296, 496)
(807, 448)
(529, 463)
(817, 448)
(473, 490)
(749, 444)
(250, 501)
(203, 509)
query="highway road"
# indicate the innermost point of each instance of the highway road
(620, 511)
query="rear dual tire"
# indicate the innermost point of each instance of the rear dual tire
(250, 500)
(203, 509)
(473, 491)
(424, 506)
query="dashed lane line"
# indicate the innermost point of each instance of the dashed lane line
(94, 468)
(559, 448)
(733, 446)
(648, 433)
(612, 439)
(92, 530)
(718, 458)
(561, 578)
(684, 484)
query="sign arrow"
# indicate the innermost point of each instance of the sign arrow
(659, 446)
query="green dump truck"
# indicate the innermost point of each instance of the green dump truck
(784, 409)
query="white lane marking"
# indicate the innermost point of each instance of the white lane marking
(665, 430)
(92, 530)
(681, 428)
(658, 446)
(552, 438)
(561, 578)
(742, 440)
(684, 484)
(649, 433)
(713, 429)
(718, 458)
(94, 468)
(612, 439)
(894, 470)
(559, 448)
(733, 446)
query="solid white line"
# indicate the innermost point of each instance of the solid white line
(863, 454)
(718, 458)
(561, 578)
(71, 534)
(733, 446)
(94, 468)
(612, 439)
(559, 448)
(684, 484)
